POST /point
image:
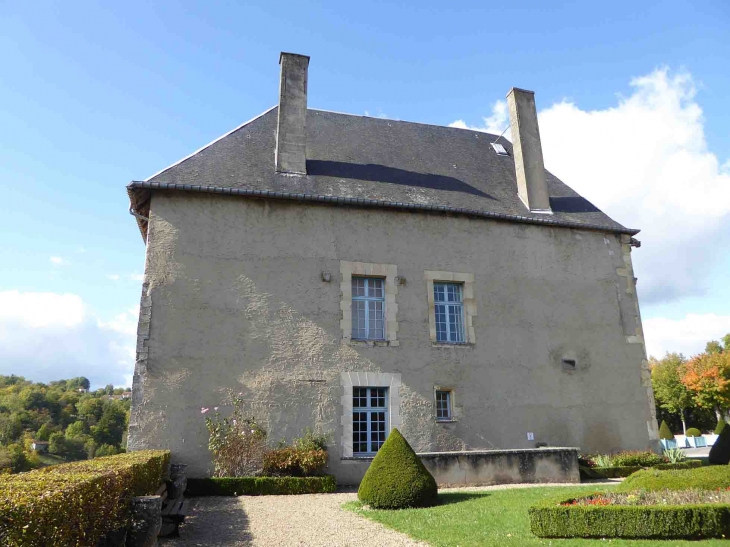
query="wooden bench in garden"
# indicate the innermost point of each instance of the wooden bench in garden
(173, 512)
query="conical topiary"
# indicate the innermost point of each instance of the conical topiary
(720, 426)
(720, 451)
(664, 431)
(397, 478)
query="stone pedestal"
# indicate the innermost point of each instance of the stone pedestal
(146, 521)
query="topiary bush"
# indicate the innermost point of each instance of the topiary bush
(701, 478)
(664, 432)
(720, 451)
(554, 520)
(694, 432)
(720, 426)
(397, 478)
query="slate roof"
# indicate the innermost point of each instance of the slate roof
(373, 162)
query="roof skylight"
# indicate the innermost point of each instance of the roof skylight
(499, 149)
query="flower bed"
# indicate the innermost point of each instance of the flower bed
(597, 516)
(626, 470)
(76, 503)
(260, 486)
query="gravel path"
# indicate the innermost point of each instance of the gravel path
(308, 520)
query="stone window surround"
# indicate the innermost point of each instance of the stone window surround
(348, 380)
(468, 301)
(455, 409)
(365, 269)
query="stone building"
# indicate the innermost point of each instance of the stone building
(354, 274)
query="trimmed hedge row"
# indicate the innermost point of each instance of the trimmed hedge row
(76, 503)
(625, 471)
(260, 486)
(552, 520)
(703, 478)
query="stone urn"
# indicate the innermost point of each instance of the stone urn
(146, 521)
(178, 480)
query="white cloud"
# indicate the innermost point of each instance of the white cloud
(645, 162)
(47, 336)
(380, 115)
(136, 277)
(688, 335)
(113, 277)
(496, 123)
(58, 261)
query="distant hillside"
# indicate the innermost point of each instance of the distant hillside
(42, 424)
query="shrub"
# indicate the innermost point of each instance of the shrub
(397, 478)
(311, 441)
(701, 478)
(694, 432)
(664, 431)
(76, 503)
(617, 472)
(551, 519)
(720, 451)
(260, 486)
(720, 426)
(639, 459)
(238, 443)
(293, 462)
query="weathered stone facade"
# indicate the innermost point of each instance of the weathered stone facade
(236, 298)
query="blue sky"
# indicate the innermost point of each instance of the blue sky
(96, 94)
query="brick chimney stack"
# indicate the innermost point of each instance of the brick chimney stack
(527, 150)
(291, 146)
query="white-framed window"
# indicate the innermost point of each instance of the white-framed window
(368, 308)
(443, 405)
(369, 419)
(449, 311)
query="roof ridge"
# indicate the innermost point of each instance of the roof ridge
(404, 121)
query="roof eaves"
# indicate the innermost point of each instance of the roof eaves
(148, 185)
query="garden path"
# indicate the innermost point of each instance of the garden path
(308, 520)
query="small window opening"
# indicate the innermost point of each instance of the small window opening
(443, 405)
(568, 364)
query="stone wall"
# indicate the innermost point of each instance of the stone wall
(245, 295)
(477, 468)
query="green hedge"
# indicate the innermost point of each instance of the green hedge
(703, 478)
(76, 503)
(260, 486)
(552, 520)
(625, 471)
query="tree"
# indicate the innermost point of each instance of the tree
(76, 429)
(57, 444)
(707, 375)
(44, 433)
(109, 389)
(90, 409)
(111, 426)
(669, 390)
(713, 346)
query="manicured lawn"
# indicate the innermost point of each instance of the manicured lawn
(497, 517)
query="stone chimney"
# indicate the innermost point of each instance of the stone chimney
(529, 167)
(291, 145)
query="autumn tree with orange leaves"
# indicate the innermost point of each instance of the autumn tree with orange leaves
(707, 376)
